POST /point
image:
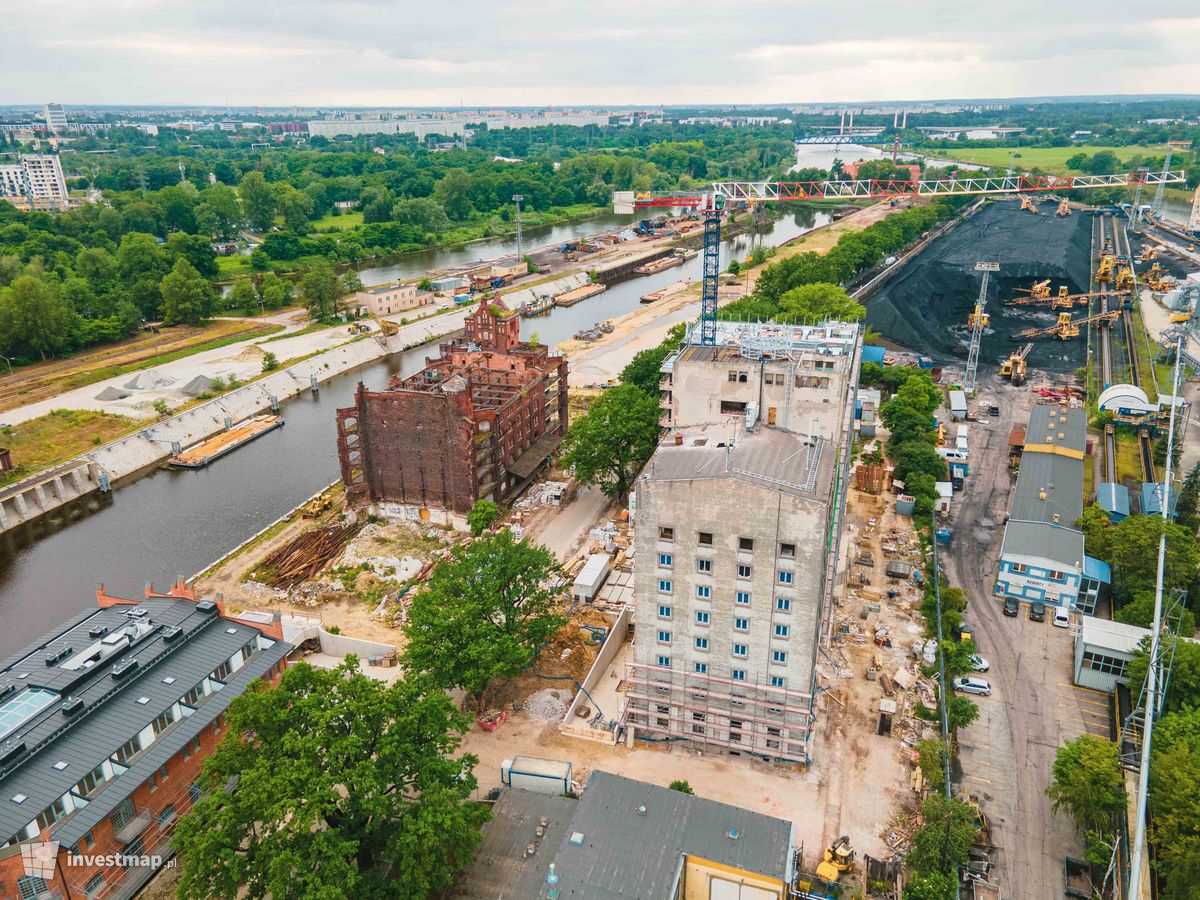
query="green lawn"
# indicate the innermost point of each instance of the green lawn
(233, 265)
(342, 222)
(1048, 159)
(58, 436)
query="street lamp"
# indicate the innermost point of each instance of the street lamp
(7, 362)
(517, 198)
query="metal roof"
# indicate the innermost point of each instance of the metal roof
(1051, 421)
(1113, 636)
(1048, 485)
(1056, 543)
(1113, 497)
(183, 641)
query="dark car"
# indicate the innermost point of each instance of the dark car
(1011, 608)
(1037, 611)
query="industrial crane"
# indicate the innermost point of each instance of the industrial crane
(1039, 290)
(1064, 208)
(1027, 204)
(1015, 368)
(1066, 327)
(1063, 299)
(712, 202)
(977, 321)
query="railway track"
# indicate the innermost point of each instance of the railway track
(1146, 452)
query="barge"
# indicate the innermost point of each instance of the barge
(660, 265)
(200, 455)
(655, 296)
(579, 294)
(536, 307)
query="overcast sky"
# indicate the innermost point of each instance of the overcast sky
(563, 52)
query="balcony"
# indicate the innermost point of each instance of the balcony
(132, 827)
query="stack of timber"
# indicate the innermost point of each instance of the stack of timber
(301, 559)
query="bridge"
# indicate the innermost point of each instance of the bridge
(841, 137)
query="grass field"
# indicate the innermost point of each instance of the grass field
(1129, 461)
(342, 222)
(57, 437)
(1048, 159)
(229, 266)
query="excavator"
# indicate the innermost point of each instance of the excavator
(1015, 368)
(1104, 274)
(1064, 209)
(838, 859)
(1066, 327)
(388, 328)
(1028, 205)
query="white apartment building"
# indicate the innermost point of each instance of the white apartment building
(39, 177)
(737, 515)
(56, 118)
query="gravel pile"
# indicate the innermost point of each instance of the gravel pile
(548, 705)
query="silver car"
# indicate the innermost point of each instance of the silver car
(969, 685)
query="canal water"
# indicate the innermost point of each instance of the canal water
(175, 523)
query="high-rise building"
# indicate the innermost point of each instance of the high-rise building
(36, 179)
(56, 118)
(734, 557)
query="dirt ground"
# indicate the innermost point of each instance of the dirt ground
(566, 659)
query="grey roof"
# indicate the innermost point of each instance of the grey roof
(182, 640)
(625, 854)
(1052, 421)
(1057, 543)
(1059, 477)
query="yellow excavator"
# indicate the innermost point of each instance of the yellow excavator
(388, 328)
(1015, 368)
(838, 859)
(1028, 205)
(1064, 209)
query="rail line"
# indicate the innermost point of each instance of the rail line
(1146, 451)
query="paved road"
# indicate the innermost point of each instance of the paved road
(1007, 754)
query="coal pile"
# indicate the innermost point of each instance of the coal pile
(925, 308)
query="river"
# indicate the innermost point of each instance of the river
(174, 523)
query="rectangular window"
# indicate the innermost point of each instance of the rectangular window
(88, 841)
(167, 816)
(194, 791)
(221, 672)
(666, 533)
(95, 885)
(701, 617)
(741, 650)
(194, 696)
(162, 772)
(664, 560)
(160, 724)
(128, 750)
(703, 591)
(123, 814)
(192, 746)
(1020, 568)
(777, 681)
(704, 565)
(783, 604)
(738, 674)
(733, 407)
(52, 813)
(664, 612)
(664, 586)
(701, 668)
(743, 571)
(89, 782)
(732, 375)
(704, 538)
(740, 624)
(742, 598)
(664, 637)
(785, 577)
(746, 544)
(664, 662)
(788, 550)
(779, 656)
(701, 643)
(782, 630)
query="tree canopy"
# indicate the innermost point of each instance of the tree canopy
(610, 443)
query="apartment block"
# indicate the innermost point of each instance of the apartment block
(737, 516)
(56, 118)
(387, 300)
(35, 179)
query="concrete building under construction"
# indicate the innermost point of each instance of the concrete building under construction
(477, 422)
(737, 521)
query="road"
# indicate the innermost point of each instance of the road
(1008, 753)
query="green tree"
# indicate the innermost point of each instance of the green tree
(243, 296)
(321, 290)
(35, 320)
(941, 844)
(482, 516)
(219, 212)
(1183, 689)
(1097, 532)
(483, 614)
(422, 212)
(186, 296)
(819, 303)
(923, 488)
(920, 393)
(1135, 553)
(934, 886)
(295, 206)
(933, 770)
(917, 456)
(680, 785)
(275, 291)
(1086, 782)
(270, 362)
(453, 192)
(258, 201)
(610, 443)
(906, 424)
(338, 775)
(644, 370)
(1139, 611)
(1187, 506)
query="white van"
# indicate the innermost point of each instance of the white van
(1062, 617)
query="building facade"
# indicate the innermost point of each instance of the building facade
(734, 515)
(387, 300)
(35, 179)
(477, 422)
(56, 118)
(104, 725)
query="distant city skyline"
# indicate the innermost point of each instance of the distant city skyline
(526, 53)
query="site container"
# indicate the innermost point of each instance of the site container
(542, 776)
(591, 577)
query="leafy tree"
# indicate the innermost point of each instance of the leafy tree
(482, 516)
(337, 775)
(644, 370)
(270, 362)
(918, 456)
(186, 297)
(680, 785)
(295, 206)
(735, 267)
(934, 886)
(1135, 552)
(920, 393)
(196, 250)
(258, 200)
(1097, 532)
(819, 302)
(275, 291)
(483, 614)
(35, 320)
(906, 424)
(422, 212)
(923, 488)
(243, 296)
(929, 756)
(610, 443)
(941, 844)
(1187, 505)
(1087, 782)
(453, 192)
(1183, 689)
(1140, 612)
(219, 212)
(960, 713)
(321, 290)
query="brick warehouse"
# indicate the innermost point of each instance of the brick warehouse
(477, 422)
(104, 725)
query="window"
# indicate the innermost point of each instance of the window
(133, 850)
(782, 630)
(664, 637)
(89, 782)
(52, 813)
(219, 723)
(701, 669)
(194, 696)
(662, 723)
(222, 672)
(740, 624)
(783, 604)
(704, 565)
(777, 681)
(88, 841)
(247, 652)
(788, 550)
(664, 560)
(743, 570)
(160, 724)
(194, 791)
(741, 650)
(785, 577)
(704, 538)
(30, 886)
(128, 750)
(701, 643)
(167, 816)
(733, 375)
(703, 591)
(192, 746)
(666, 533)
(123, 814)
(698, 717)
(664, 612)
(664, 662)
(701, 617)
(1055, 575)
(153, 782)
(779, 656)
(733, 407)
(735, 724)
(162, 772)
(662, 709)
(1109, 665)
(746, 544)
(743, 377)
(664, 586)
(697, 729)
(95, 885)
(1019, 568)
(742, 598)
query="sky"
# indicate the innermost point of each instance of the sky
(398, 53)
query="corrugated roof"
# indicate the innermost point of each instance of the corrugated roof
(1041, 541)
(1066, 427)
(1048, 485)
(1114, 636)
(1113, 498)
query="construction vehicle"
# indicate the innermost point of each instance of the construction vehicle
(838, 859)
(1066, 327)
(357, 328)
(1148, 254)
(317, 506)
(1064, 209)
(1015, 369)
(1124, 280)
(1027, 204)
(1180, 317)
(1039, 290)
(388, 328)
(1104, 273)
(977, 315)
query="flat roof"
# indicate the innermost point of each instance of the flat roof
(1113, 497)
(1057, 426)
(1107, 635)
(1048, 485)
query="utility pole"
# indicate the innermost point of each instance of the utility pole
(517, 198)
(978, 320)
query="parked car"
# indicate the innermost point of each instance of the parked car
(1011, 607)
(1062, 617)
(979, 664)
(969, 685)
(1037, 611)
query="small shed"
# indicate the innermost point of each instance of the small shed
(905, 504)
(1113, 498)
(591, 577)
(532, 773)
(898, 569)
(1151, 504)
(945, 491)
(873, 354)
(958, 405)
(1103, 650)
(448, 283)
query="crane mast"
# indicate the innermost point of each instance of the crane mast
(979, 320)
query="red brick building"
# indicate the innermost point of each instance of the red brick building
(477, 422)
(104, 724)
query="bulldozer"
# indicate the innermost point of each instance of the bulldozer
(838, 859)
(1064, 209)
(1028, 205)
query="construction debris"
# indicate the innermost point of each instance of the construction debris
(301, 559)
